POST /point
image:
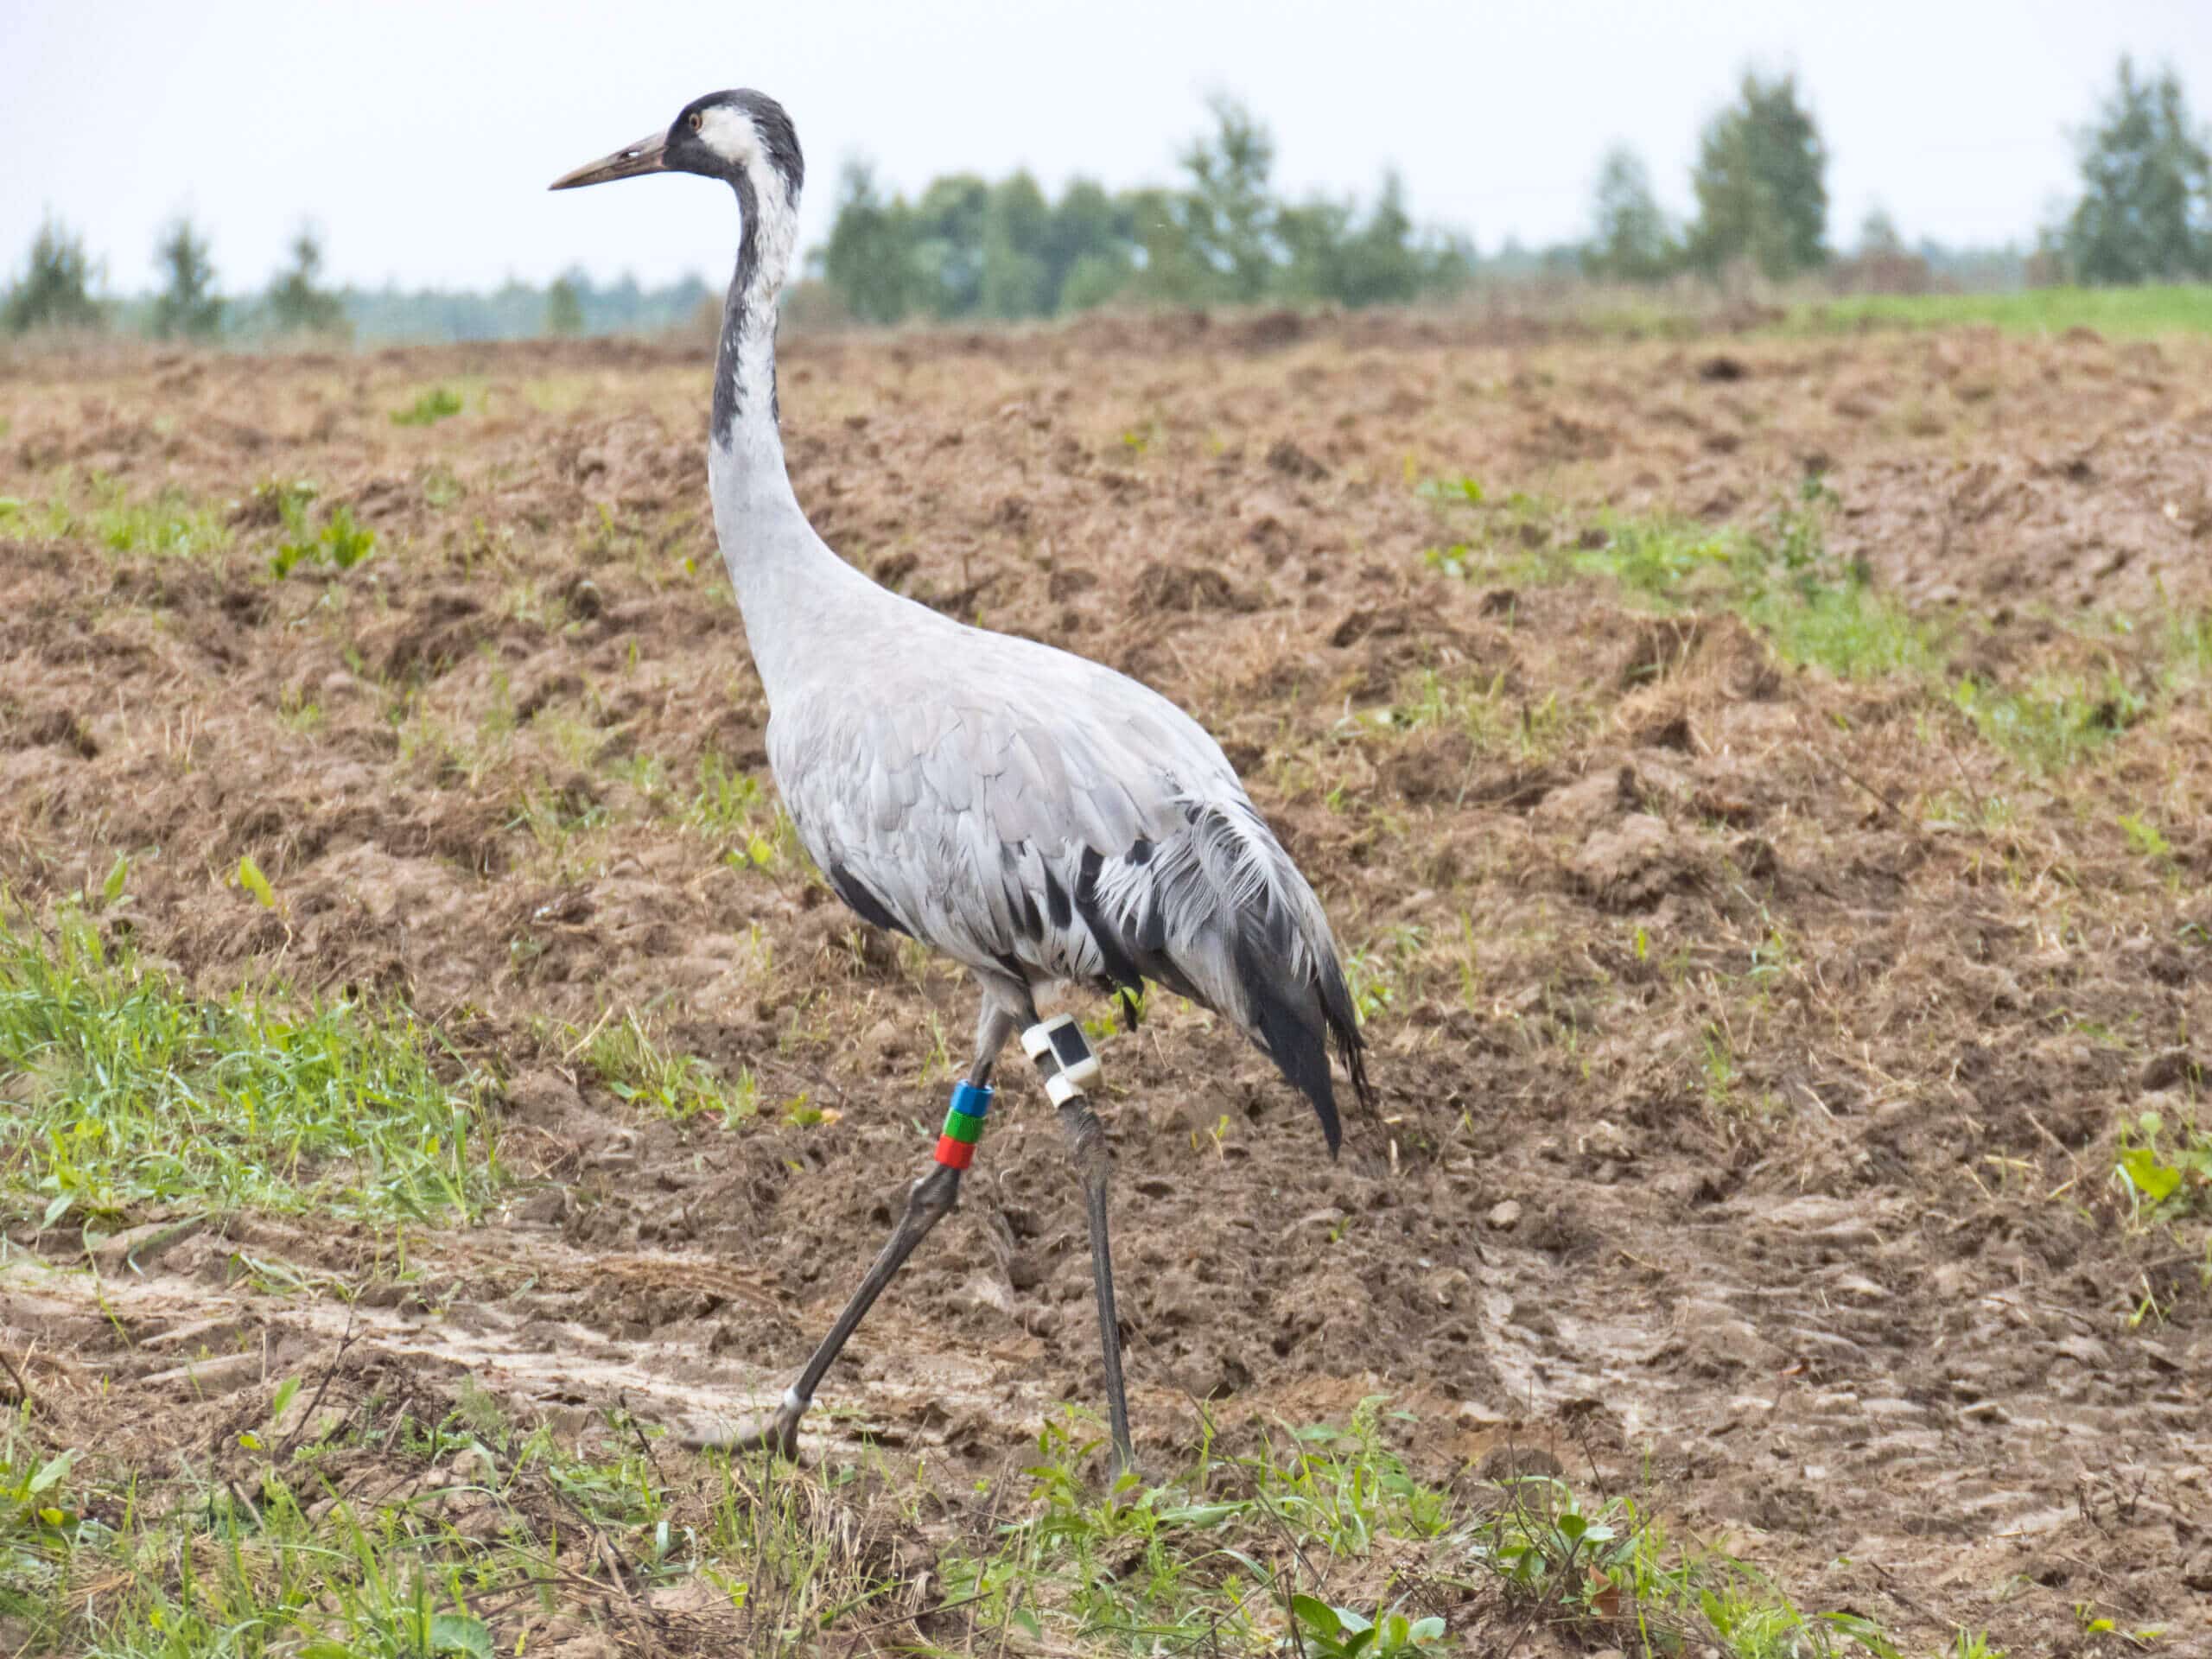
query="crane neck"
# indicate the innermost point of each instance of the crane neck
(744, 369)
(786, 581)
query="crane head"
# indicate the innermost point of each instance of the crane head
(737, 136)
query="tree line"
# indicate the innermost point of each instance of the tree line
(2143, 214)
(968, 247)
(56, 293)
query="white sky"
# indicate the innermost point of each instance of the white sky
(420, 134)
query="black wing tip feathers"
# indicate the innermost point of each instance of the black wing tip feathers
(1298, 1042)
(1343, 1021)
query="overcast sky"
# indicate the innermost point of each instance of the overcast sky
(420, 134)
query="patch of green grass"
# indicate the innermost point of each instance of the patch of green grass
(1844, 626)
(556, 816)
(1814, 607)
(1327, 1529)
(167, 524)
(437, 404)
(2123, 313)
(1209, 1560)
(2187, 650)
(126, 1091)
(2145, 838)
(1612, 1568)
(473, 1538)
(635, 1068)
(1375, 970)
(2051, 723)
(1495, 721)
(376, 1529)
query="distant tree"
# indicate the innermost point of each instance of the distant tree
(187, 305)
(564, 307)
(1088, 247)
(1332, 254)
(1881, 264)
(1447, 263)
(1171, 269)
(55, 291)
(1228, 214)
(949, 222)
(2145, 212)
(1316, 238)
(1017, 223)
(1631, 240)
(2047, 266)
(1094, 280)
(869, 263)
(1761, 182)
(1877, 235)
(1385, 264)
(298, 304)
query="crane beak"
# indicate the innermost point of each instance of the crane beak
(648, 155)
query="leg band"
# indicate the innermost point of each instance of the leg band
(963, 1126)
(1062, 1056)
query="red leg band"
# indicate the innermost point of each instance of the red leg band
(954, 1154)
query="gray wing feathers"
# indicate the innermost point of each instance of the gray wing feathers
(961, 818)
(1110, 846)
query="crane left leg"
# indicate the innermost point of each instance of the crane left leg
(1093, 1162)
(928, 1202)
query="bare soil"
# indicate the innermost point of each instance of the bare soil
(1749, 1082)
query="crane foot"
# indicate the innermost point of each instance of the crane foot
(777, 1432)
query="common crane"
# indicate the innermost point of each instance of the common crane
(1040, 819)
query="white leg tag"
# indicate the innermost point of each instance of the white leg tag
(1062, 1055)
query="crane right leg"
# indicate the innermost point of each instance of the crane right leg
(928, 1202)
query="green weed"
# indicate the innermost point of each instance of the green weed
(2144, 839)
(1209, 1560)
(730, 807)
(726, 803)
(339, 542)
(635, 1068)
(429, 408)
(2165, 1174)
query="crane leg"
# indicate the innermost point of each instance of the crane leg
(1094, 1162)
(928, 1202)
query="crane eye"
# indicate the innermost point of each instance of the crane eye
(698, 120)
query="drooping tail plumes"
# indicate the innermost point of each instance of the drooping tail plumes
(1219, 913)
